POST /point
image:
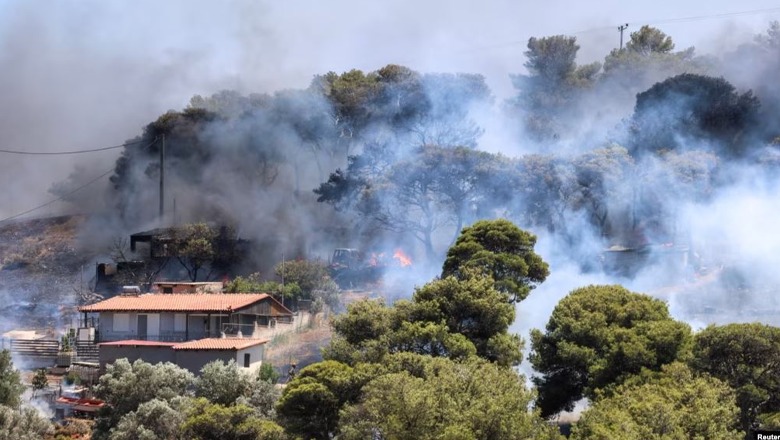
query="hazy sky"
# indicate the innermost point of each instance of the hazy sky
(86, 74)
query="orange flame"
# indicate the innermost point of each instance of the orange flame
(402, 258)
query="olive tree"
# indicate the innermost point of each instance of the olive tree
(11, 387)
(221, 382)
(126, 386)
(23, 424)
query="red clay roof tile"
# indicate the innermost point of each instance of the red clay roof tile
(183, 302)
(219, 344)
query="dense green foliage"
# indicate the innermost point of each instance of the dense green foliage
(125, 386)
(39, 381)
(597, 337)
(675, 404)
(267, 373)
(308, 275)
(23, 424)
(164, 401)
(747, 357)
(310, 404)
(474, 308)
(411, 396)
(672, 112)
(435, 366)
(254, 283)
(446, 317)
(221, 383)
(11, 387)
(501, 250)
(207, 421)
(295, 280)
(153, 420)
(445, 399)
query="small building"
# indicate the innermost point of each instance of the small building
(159, 241)
(184, 317)
(248, 353)
(192, 355)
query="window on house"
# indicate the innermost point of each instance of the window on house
(179, 322)
(246, 360)
(167, 289)
(121, 322)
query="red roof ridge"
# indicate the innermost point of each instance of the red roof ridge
(185, 302)
(220, 344)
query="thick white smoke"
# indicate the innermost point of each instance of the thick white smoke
(94, 74)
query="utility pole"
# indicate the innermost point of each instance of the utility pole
(621, 29)
(162, 177)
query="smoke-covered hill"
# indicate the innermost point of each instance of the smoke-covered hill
(43, 272)
(649, 165)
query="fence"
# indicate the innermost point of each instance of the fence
(32, 353)
(300, 321)
(87, 351)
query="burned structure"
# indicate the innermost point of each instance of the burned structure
(198, 252)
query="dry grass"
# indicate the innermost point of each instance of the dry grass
(38, 243)
(301, 348)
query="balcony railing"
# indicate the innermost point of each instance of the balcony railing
(238, 330)
(109, 336)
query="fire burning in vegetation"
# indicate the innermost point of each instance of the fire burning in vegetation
(402, 258)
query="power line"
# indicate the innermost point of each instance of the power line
(58, 153)
(50, 202)
(648, 22)
(687, 19)
(706, 17)
(58, 198)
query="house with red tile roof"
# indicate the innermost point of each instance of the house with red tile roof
(185, 316)
(189, 330)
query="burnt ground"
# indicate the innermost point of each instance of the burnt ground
(304, 348)
(40, 272)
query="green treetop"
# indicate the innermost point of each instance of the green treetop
(597, 337)
(671, 405)
(499, 249)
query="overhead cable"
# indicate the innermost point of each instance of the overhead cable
(68, 194)
(59, 153)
